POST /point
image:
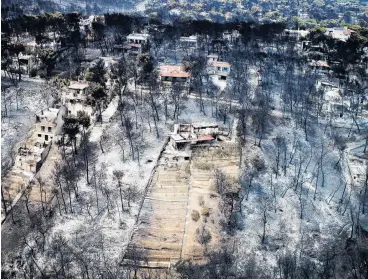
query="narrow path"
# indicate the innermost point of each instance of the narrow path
(187, 216)
(97, 128)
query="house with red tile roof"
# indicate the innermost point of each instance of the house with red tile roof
(173, 73)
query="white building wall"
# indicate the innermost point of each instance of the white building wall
(74, 108)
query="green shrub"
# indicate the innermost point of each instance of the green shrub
(206, 211)
(195, 215)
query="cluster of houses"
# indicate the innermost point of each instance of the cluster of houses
(170, 73)
(176, 73)
(317, 54)
(339, 33)
(33, 151)
(216, 66)
(29, 59)
(338, 102)
(134, 45)
(48, 127)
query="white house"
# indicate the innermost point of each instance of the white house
(231, 36)
(134, 43)
(339, 33)
(76, 99)
(137, 38)
(46, 125)
(78, 87)
(221, 68)
(191, 41)
(212, 58)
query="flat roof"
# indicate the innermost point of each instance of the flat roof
(221, 64)
(188, 39)
(25, 57)
(328, 84)
(137, 36)
(78, 85)
(176, 137)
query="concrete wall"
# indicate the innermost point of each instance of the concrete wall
(206, 131)
(44, 154)
(74, 108)
(26, 163)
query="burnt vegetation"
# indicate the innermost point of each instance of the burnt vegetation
(134, 81)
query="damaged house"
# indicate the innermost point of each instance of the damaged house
(76, 99)
(31, 155)
(185, 135)
(48, 125)
(135, 43)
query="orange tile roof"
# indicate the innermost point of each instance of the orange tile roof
(319, 64)
(173, 71)
(205, 138)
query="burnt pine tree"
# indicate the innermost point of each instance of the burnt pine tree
(71, 129)
(97, 92)
(85, 121)
(97, 73)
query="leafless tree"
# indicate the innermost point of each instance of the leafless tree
(259, 122)
(41, 185)
(27, 194)
(280, 144)
(365, 191)
(265, 205)
(55, 193)
(131, 194)
(320, 170)
(118, 175)
(136, 257)
(221, 182)
(88, 152)
(178, 99)
(96, 185)
(57, 178)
